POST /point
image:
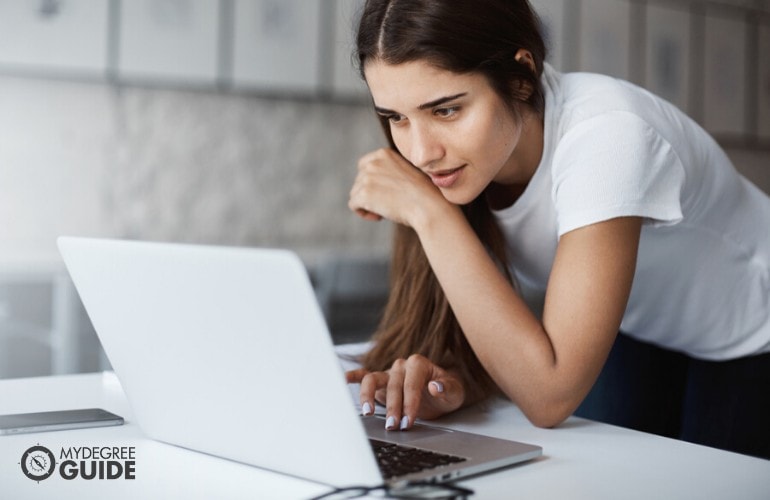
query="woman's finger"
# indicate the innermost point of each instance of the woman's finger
(355, 376)
(367, 215)
(418, 372)
(445, 394)
(371, 383)
(395, 396)
(388, 187)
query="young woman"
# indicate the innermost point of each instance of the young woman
(539, 214)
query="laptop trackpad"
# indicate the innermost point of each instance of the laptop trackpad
(375, 428)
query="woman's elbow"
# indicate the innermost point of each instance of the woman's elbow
(547, 422)
(550, 415)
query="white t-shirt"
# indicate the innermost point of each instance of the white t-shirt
(611, 149)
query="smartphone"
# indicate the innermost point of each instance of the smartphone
(21, 423)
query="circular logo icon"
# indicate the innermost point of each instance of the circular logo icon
(38, 463)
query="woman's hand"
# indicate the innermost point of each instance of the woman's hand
(412, 388)
(388, 186)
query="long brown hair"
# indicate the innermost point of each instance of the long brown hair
(461, 36)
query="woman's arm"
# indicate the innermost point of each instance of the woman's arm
(545, 367)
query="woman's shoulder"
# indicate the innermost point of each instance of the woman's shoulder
(592, 102)
(585, 95)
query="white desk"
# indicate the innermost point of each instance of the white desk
(582, 459)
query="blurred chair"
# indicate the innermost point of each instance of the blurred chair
(44, 328)
(25, 325)
(352, 292)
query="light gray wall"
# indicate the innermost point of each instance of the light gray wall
(233, 169)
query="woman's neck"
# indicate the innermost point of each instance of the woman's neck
(525, 160)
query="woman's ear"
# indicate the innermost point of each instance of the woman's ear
(524, 56)
(524, 90)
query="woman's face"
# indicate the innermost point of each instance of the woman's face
(453, 127)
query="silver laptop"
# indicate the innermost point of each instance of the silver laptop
(225, 351)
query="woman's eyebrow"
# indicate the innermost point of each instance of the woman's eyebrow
(384, 111)
(427, 105)
(440, 101)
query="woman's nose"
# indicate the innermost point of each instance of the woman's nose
(426, 148)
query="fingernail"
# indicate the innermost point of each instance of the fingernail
(366, 409)
(438, 386)
(390, 423)
(404, 422)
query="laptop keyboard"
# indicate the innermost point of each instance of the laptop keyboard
(396, 460)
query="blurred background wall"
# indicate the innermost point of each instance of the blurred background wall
(240, 122)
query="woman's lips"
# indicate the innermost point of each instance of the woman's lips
(445, 178)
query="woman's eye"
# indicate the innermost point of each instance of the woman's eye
(446, 112)
(394, 118)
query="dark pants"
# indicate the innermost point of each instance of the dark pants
(721, 404)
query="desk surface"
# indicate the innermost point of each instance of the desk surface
(582, 459)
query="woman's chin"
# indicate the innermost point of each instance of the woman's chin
(458, 196)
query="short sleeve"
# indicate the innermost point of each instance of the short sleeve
(615, 165)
